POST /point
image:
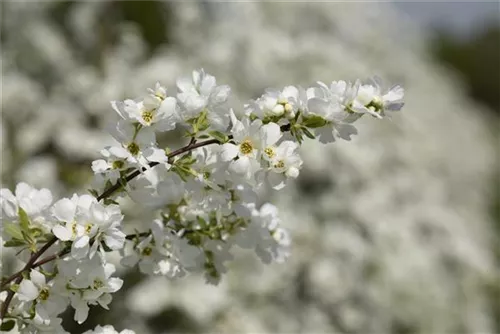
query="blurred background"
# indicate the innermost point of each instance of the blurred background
(396, 232)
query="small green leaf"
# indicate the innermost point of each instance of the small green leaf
(24, 220)
(14, 230)
(201, 221)
(7, 325)
(14, 287)
(223, 138)
(28, 238)
(314, 121)
(93, 192)
(14, 243)
(109, 201)
(202, 122)
(308, 133)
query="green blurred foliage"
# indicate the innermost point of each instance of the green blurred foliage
(477, 59)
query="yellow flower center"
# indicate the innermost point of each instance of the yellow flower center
(97, 284)
(246, 147)
(147, 116)
(147, 251)
(44, 294)
(133, 148)
(269, 152)
(118, 164)
(279, 164)
(73, 229)
(88, 227)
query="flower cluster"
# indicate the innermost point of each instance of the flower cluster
(204, 194)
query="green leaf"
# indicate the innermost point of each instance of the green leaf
(201, 221)
(7, 325)
(202, 122)
(314, 121)
(308, 133)
(13, 230)
(93, 192)
(14, 287)
(109, 201)
(223, 138)
(28, 238)
(24, 220)
(14, 243)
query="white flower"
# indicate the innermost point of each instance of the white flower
(154, 254)
(108, 329)
(116, 162)
(156, 110)
(374, 98)
(273, 244)
(33, 201)
(250, 138)
(278, 103)
(39, 326)
(138, 145)
(284, 164)
(84, 219)
(89, 282)
(201, 93)
(334, 106)
(48, 303)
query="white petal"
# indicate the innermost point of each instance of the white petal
(195, 102)
(220, 94)
(155, 154)
(8, 203)
(118, 152)
(119, 107)
(99, 166)
(115, 239)
(290, 91)
(85, 201)
(129, 260)
(62, 233)
(229, 152)
(276, 180)
(23, 190)
(270, 133)
(38, 278)
(292, 172)
(80, 247)
(27, 291)
(98, 213)
(158, 229)
(240, 166)
(318, 106)
(325, 134)
(207, 85)
(81, 312)
(185, 84)
(114, 284)
(64, 210)
(396, 94)
(345, 131)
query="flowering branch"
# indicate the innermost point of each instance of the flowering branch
(205, 196)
